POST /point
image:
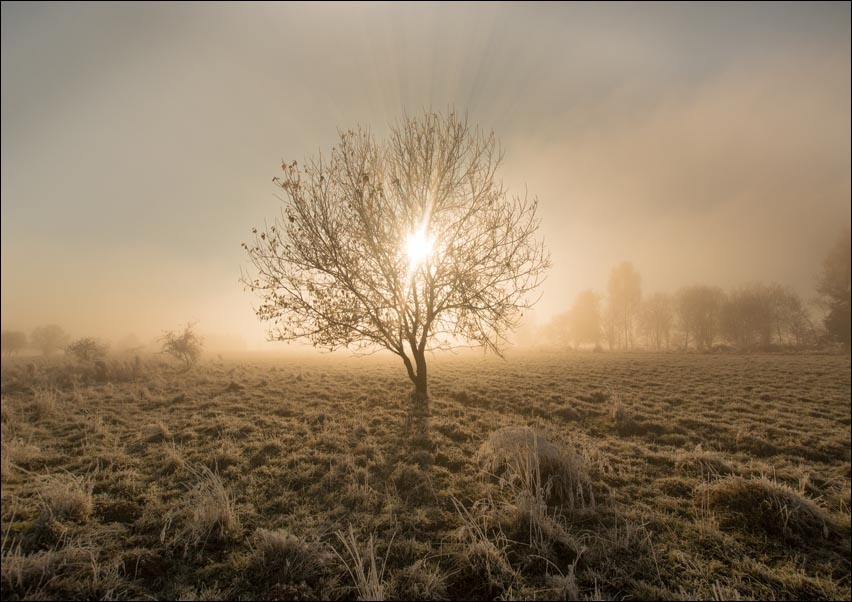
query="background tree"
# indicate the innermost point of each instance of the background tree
(833, 288)
(48, 339)
(747, 317)
(656, 317)
(625, 294)
(698, 315)
(13, 341)
(759, 316)
(792, 321)
(185, 346)
(86, 349)
(584, 319)
(558, 330)
(408, 244)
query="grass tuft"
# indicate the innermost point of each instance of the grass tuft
(765, 505)
(369, 583)
(522, 457)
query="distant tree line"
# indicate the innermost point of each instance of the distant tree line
(47, 340)
(758, 316)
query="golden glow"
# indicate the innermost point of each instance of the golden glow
(418, 247)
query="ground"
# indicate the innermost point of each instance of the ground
(550, 475)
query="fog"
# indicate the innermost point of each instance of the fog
(706, 144)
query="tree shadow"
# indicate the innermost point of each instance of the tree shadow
(411, 436)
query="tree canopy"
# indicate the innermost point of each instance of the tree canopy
(409, 244)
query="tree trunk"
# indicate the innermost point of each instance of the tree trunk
(421, 393)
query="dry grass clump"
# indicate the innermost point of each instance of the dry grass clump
(156, 432)
(281, 557)
(15, 452)
(522, 457)
(539, 538)
(412, 483)
(172, 459)
(422, 580)
(45, 402)
(205, 592)
(765, 505)
(702, 462)
(28, 576)
(483, 571)
(209, 514)
(369, 582)
(67, 497)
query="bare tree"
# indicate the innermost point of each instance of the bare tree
(792, 321)
(409, 244)
(558, 329)
(759, 316)
(610, 327)
(625, 294)
(834, 290)
(87, 349)
(698, 315)
(13, 341)
(656, 318)
(48, 339)
(747, 317)
(186, 345)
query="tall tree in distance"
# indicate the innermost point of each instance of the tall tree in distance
(409, 244)
(833, 288)
(792, 322)
(48, 339)
(13, 341)
(584, 319)
(656, 317)
(625, 294)
(747, 317)
(698, 314)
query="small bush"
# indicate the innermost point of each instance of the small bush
(86, 349)
(185, 346)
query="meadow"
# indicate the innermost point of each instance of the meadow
(551, 475)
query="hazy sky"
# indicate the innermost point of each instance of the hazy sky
(705, 143)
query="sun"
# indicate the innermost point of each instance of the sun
(418, 247)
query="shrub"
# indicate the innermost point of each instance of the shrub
(86, 349)
(185, 346)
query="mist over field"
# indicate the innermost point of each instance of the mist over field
(425, 301)
(705, 144)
